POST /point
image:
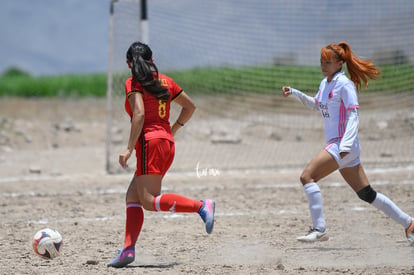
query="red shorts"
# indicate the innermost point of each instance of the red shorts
(154, 156)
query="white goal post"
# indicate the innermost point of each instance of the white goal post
(112, 70)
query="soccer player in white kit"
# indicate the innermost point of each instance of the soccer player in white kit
(337, 101)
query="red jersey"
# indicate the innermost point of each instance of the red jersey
(157, 112)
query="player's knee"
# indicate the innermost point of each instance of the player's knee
(305, 178)
(147, 205)
(367, 194)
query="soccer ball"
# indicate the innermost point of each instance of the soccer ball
(47, 243)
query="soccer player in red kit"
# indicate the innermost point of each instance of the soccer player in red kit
(148, 98)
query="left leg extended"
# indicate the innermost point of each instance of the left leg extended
(149, 189)
(357, 179)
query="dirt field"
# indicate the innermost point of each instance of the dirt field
(52, 174)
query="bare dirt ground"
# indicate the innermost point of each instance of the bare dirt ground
(52, 174)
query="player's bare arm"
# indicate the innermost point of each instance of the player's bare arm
(137, 121)
(188, 108)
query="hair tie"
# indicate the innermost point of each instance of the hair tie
(338, 55)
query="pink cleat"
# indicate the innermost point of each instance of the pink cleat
(207, 214)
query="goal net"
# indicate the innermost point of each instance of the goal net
(233, 57)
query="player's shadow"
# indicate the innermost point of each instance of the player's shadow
(149, 266)
(323, 249)
(329, 249)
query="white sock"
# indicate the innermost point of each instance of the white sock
(384, 204)
(313, 193)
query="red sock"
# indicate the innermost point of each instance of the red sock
(175, 203)
(134, 221)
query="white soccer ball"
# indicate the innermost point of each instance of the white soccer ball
(47, 243)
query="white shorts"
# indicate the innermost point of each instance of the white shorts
(350, 160)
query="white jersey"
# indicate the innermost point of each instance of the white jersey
(334, 99)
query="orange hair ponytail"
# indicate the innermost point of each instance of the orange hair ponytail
(358, 69)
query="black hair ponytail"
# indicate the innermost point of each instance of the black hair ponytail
(142, 70)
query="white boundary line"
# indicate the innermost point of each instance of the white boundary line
(128, 176)
(200, 187)
(107, 191)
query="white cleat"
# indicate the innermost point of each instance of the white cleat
(314, 235)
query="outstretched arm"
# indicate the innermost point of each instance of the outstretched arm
(306, 100)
